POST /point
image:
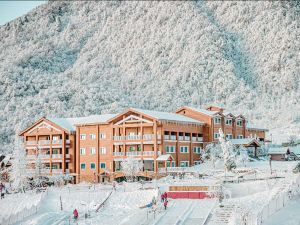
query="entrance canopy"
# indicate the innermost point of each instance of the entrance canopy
(246, 142)
(166, 157)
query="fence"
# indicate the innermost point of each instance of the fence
(277, 202)
(19, 216)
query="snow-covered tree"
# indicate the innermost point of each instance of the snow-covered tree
(228, 152)
(18, 174)
(242, 155)
(130, 167)
(213, 152)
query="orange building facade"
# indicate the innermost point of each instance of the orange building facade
(92, 148)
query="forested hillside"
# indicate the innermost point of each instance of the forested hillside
(80, 58)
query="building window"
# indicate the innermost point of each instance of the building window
(82, 151)
(103, 165)
(184, 163)
(102, 150)
(170, 149)
(131, 148)
(240, 137)
(102, 136)
(217, 120)
(170, 164)
(197, 150)
(82, 136)
(229, 122)
(82, 166)
(139, 148)
(239, 123)
(216, 135)
(184, 149)
(93, 150)
(197, 162)
(93, 136)
(229, 136)
(93, 166)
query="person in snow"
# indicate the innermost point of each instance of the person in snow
(162, 197)
(153, 200)
(165, 204)
(114, 185)
(2, 190)
(165, 196)
(75, 213)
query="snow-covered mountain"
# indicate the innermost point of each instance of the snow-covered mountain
(81, 58)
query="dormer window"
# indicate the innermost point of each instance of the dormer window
(239, 123)
(217, 120)
(229, 122)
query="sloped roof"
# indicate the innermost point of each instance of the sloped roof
(165, 157)
(70, 123)
(282, 150)
(204, 111)
(167, 116)
(250, 126)
(244, 141)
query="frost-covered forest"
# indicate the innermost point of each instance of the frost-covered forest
(81, 58)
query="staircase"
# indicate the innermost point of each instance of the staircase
(222, 215)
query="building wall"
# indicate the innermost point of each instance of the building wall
(40, 136)
(256, 133)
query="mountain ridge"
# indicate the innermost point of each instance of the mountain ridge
(79, 58)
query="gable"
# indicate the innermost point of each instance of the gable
(131, 119)
(42, 125)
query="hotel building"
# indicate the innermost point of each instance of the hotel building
(92, 148)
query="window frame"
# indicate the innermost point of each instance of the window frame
(102, 150)
(92, 163)
(198, 149)
(187, 163)
(102, 163)
(218, 135)
(219, 120)
(81, 166)
(82, 136)
(93, 136)
(94, 151)
(102, 136)
(226, 121)
(185, 147)
(82, 150)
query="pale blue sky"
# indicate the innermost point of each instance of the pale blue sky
(10, 10)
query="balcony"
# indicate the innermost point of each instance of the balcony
(119, 138)
(44, 142)
(56, 156)
(187, 138)
(170, 137)
(68, 156)
(118, 153)
(134, 153)
(57, 141)
(149, 136)
(133, 137)
(180, 138)
(148, 153)
(197, 139)
(68, 141)
(57, 171)
(31, 142)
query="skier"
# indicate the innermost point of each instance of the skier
(165, 196)
(165, 204)
(114, 185)
(75, 213)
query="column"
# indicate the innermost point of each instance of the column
(77, 153)
(63, 149)
(155, 147)
(50, 153)
(191, 150)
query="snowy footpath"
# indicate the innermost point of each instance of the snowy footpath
(185, 211)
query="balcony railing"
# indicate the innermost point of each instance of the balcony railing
(118, 153)
(187, 138)
(31, 157)
(197, 139)
(148, 153)
(180, 138)
(57, 171)
(57, 141)
(57, 156)
(133, 137)
(68, 156)
(44, 142)
(134, 153)
(31, 142)
(119, 138)
(149, 136)
(68, 141)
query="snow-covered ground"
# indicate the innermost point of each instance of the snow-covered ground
(251, 191)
